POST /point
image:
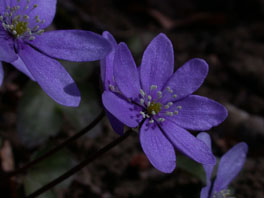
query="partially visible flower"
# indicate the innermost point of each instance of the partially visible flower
(161, 103)
(27, 47)
(109, 84)
(229, 166)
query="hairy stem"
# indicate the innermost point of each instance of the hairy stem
(80, 166)
(59, 147)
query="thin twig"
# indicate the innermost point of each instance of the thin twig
(59, 147)
(80, 166)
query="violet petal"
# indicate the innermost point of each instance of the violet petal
(157, 63)
(51, 76)
(45, 10)
(125, 72)
(186, 80)
(106, 64)
(230, 165)
(208, 168)
(123, 110)
(117, 126)
(19, 64)
(188, 144)
(7, 52)
(72, 45)
(157, 148)
(198, 113)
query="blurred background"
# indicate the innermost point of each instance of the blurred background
(228, 34)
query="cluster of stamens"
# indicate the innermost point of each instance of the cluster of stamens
(226, 193)
(154, 107)
(15, 20)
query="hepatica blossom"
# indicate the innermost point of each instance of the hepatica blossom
(160, 102)
(107, 67)
(27, 47)
(229, 166)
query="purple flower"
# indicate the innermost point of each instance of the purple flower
(229, 166)
(27, 47)
(160, 102)
(107, 69)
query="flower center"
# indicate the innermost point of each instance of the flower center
(17, 22)
(154, 108)
(20, 27)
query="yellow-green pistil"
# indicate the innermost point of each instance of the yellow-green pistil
(21, 27)
(154, 107)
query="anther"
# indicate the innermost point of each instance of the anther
(149, 97)
(159, 94)
(151, 121)
(142, 101)
(169, 90)
(166, 107)
(179, 107)
(143, 114)
(153, 87)
(169, 113)
(36, 28)
(170, 103)
(111, 87)
(31, 38)
(142, 92)
(153, 113)
(176, 112)
(174, 96)
(161, 119)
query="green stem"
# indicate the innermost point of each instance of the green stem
(80, 166)
(59, 147)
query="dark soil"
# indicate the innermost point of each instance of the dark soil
(228, 34)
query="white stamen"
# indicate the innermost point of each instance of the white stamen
(31, 38)
(179, 107)
(159, 94)
(142, 101)
(170, 104)
(153, 87)
(161, 119)
(169, 90)
(143, 114)
(149, 97)
(169, 113)
(174, 96)
(176, 112)
(153, 113)
(151, 121)
(166, 107)
(142, 92)
(111, 87)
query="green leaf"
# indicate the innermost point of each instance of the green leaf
(191, 167)
(46, 171)
(38, 118)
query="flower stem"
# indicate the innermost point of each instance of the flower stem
(80, 166)
(59, 147)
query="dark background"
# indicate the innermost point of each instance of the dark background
(228, 34)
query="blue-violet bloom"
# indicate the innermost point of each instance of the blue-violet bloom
(107, 69)
(27, 47)
(161, 104)
(229, 166)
